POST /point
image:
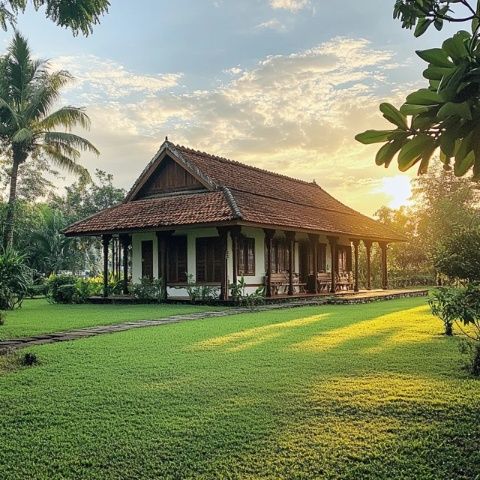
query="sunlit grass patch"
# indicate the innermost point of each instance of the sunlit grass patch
(240, 398)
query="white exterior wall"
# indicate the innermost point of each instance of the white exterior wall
(192, 234)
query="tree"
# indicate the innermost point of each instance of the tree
(28, 128)
(442, 205)
(459, 255)
(51, 250)
(78, 15)
(445, 115)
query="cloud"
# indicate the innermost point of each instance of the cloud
(96, 78)
(295, 114)
(273, 24)
(292, 5)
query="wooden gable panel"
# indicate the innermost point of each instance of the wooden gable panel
(169, 177)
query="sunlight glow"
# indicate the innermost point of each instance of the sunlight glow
(398, 189)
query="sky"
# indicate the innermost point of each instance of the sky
(279, 84)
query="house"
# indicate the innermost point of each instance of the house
(196, 217)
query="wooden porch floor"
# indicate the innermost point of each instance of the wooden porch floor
(348, 296)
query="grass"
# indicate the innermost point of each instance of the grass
(336, 392)
(38, 316)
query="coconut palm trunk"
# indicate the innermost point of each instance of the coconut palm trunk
(18, 159)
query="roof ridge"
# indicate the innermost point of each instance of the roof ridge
(252, 167)
(232, 203)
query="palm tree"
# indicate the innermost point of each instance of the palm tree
(50, 248)
(28, 127)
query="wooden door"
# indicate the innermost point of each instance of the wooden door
(147, 259)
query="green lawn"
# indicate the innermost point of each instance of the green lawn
(335, 392)
(39, 316)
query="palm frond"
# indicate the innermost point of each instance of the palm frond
(66, 117)
(66, 149)
(23, 135)
(67, 163)
(44, 92)
(71, 139)
(13, 117)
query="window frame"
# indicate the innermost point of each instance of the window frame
(246, 263)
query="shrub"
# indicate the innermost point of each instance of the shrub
(3, 316)
(55, 293)
(37, 290)
(28, 359)
(148, 290)
(240, 295)
(15, 279)
(462, 307)
(201, 293)
(442, 304)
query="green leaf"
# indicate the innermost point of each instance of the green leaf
(387, 152)
(423, 121)
(408, 109)
(373, 136)
(461, 110)
(462, 166)
(424, 96)
(447, 142)
(436, 56)
(455, 46)
(413, 150)
(394, 116)
(436, 73)
(422, 26)
(449, 84)
(427, 155)
(463, 147)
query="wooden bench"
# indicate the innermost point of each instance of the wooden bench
(280, 283)
(344, 281)
(323, 281)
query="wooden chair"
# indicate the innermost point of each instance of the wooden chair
(323, 281)
(279, 283)
(301, 286)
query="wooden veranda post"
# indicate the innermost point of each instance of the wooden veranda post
(290, 236)
(235, 233)
(356, 244)
(268, 246)
(125, 241)
(105, 242)
(313, 237)
(368, 247)
(223, 233)
(163, 239)
(384, 248)
(333, 254)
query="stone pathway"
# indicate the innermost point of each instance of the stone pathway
(8, 346)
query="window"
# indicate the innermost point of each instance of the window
(246, 256)
(177, 259)
(322, 257)
(344, 258)
(209, 259)
(280, 256)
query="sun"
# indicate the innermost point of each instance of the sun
(398, 189)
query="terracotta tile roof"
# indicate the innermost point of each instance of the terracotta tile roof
(262, 210)
(235, 192)
(241, 177)
(208, 207)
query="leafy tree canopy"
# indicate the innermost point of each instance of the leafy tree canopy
(78, 15)
(444, 116)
